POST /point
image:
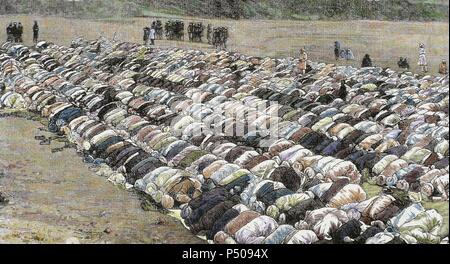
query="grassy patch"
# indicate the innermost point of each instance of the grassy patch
(371, 189)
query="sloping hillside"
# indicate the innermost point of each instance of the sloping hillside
(414, 10)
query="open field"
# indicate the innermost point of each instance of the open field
(384, 41)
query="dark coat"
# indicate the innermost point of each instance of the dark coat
(298, 212)
(366, 62)
(220, 224)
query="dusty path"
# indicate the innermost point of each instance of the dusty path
(55, 197)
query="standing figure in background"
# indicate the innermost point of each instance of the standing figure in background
(220, 38)
(337, 49)
(302, 61)
(422, 58)
(191, 31)
(209, 34)
(35, 32)
(443, 67)
(15, 33)
(9, 33)
(367, 61)
(197, 33)
(146, 35)
(403, 63)
(349, 54)
(20, 32)
(152, 35)
(224, 37)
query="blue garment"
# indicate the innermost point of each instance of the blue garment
(332, 148)
(62, 118)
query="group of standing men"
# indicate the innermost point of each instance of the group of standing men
(347, 54)
(14, 32)
(423, 64)
(219, 37)
(195, 31)
(174, 30)
(343, 53)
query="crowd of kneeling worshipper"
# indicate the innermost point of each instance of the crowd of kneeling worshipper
(195, 131)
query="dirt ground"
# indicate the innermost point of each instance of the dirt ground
(56, 198)
(384, 41)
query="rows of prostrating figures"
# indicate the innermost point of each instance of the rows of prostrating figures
(247, 152)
